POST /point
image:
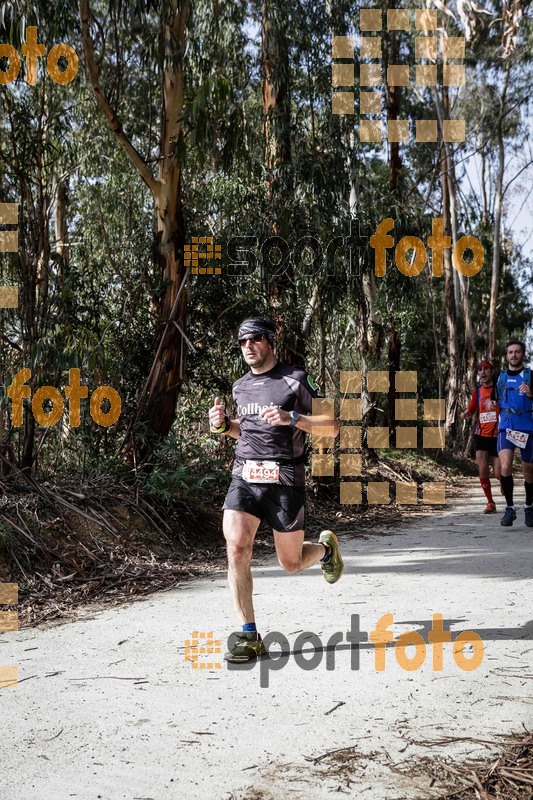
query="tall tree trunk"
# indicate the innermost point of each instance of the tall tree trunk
(461, 280)
(157, 404)
(372, 343)
(35, 262)
(436, 343)
(61, 246)
(61, 221)
(394, 352)
(393, 106)
(393, 109)
(275, 89)
(276, 103)
(454, 364)
(495, 275)
(323, 343)
(498, 213)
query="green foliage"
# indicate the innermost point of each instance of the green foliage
(94, 308)
(181, 467)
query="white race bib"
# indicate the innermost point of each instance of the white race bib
(260, 472)
(488, 416)
(519, 438)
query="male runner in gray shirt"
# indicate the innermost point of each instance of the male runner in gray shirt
(274, 403)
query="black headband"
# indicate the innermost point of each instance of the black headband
(253, 327)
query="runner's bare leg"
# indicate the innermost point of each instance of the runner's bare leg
(239, 531)
(482, 459)
(293, 553)
(506, 461)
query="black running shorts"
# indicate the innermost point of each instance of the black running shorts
(281, 507)
(487, 443)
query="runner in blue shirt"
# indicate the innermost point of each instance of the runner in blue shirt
(274, 404)
(515, 428)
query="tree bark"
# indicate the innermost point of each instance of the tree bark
(438, 357)
(275, 88)
(394, 351)
(60, 221)
(276, 99)
(498, 213)
(469, 349)
(157, 405)
(454, 367)
(393, 108)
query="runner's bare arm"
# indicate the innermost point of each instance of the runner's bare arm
(218, 419)
(472, 407)
(319, 423)
(235, 428)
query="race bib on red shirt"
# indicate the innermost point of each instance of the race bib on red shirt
(488, 416)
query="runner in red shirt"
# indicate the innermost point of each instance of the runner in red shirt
(486, 433)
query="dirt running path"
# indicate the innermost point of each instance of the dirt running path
(108, 707)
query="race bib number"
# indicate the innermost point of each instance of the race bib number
(519, 438)
(488, 416)
(260, 472)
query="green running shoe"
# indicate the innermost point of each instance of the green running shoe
(334, 567)
(246, 645)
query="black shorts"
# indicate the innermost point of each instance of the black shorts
(488, 444)
(281, 507)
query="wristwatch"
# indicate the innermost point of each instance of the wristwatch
(294, 418)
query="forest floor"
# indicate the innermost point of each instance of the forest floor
(110, 705)
(75, 547)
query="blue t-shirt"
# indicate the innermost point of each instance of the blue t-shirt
(516, 409)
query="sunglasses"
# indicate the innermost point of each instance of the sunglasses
(254, 339)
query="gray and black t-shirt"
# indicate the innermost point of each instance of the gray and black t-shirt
(286, 387)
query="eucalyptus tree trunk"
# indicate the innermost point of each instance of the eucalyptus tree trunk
(61, 244)
(463, 285)
(469, 347)
(498, 213)
(27, 154)
(35, 262)
(61, 247)
(495, 275)
(157, 404)
(394, 353)
(436, 340)
(392, 56)
(454, 362)
(275, 89)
